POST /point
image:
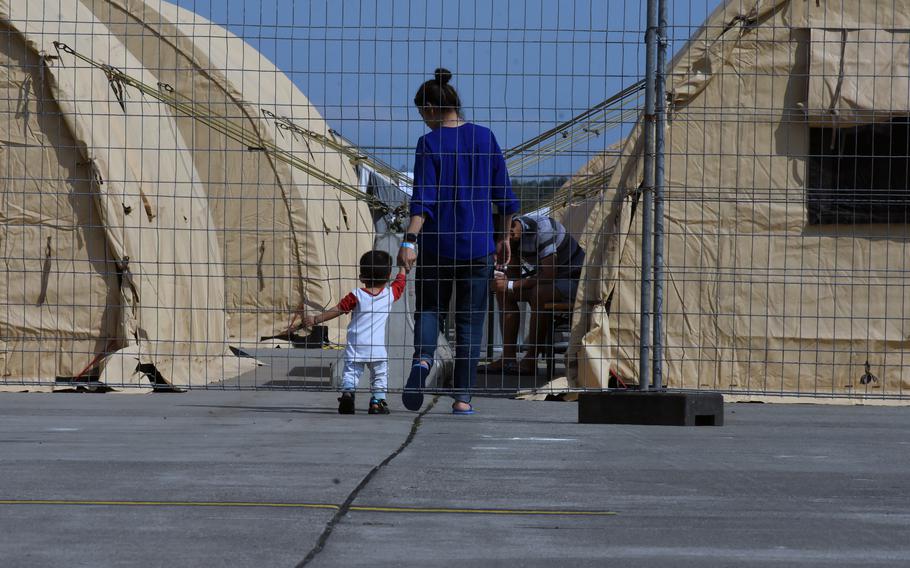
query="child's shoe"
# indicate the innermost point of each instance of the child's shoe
(379, 406)
(346, 403)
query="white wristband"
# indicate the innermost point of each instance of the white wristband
(511, 285)
(409, 245)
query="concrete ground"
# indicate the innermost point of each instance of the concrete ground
(234, 478)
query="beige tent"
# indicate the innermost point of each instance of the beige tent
(763, 293)
(132, 235)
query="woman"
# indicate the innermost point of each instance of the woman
(459, 175)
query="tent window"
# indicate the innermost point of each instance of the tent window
(860, 175)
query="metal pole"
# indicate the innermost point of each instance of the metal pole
(647, 196)
(491, 322)
(659, 194)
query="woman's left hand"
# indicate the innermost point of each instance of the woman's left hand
(503, 254)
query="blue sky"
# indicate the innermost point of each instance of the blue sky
(521, 66)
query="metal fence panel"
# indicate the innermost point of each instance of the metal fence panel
(182, 184)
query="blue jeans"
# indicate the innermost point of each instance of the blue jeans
(435, 280)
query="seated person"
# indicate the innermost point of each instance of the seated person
(544, 243)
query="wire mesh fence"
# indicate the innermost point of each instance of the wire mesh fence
(189, 189)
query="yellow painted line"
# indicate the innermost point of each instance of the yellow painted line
(324, 506)
(466, 511)
(167, 503)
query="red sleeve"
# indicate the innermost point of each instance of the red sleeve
(398, 285)
(348, 303)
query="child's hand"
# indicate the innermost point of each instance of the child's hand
(293, 325)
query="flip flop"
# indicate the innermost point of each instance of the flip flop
(412, 396)
(470, 410)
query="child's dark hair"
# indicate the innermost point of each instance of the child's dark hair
(375, 267)
(437, 92)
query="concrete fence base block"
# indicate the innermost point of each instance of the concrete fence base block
(651, 408)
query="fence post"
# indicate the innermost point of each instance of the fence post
(659, 194)
(647, 196)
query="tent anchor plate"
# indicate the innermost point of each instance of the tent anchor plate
(651, 408)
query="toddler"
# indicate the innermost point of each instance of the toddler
(370, 307)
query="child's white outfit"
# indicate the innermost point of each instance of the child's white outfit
(366, 336)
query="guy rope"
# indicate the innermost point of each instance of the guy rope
(613, 112)
(617, 110)
(166, 94)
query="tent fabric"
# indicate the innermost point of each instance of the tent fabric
(48, 227)
(596, 228)
(147, 199)
(332, 229)
(858, 76)
(287, 238)
(133, 237)
(844, 14)
(756, 300)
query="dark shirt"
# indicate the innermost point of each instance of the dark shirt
(459, 175)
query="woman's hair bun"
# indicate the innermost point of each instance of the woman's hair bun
(437, 92)
(443, 76)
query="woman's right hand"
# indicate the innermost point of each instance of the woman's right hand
(407, 256)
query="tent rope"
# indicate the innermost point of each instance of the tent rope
(613, 112)
(166, 94)
(604, 116)
(619, 109)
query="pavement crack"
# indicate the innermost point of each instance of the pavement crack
(346, 506)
